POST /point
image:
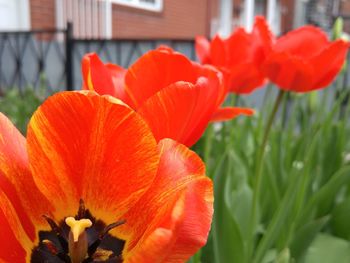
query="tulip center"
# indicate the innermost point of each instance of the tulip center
(77, 241)
(81, 238)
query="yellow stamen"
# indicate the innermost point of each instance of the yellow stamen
(77, 227)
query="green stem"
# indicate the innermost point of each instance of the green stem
(197, 257)
(285, 111)
(234, 99)
(258, 174)
(267, 95)
(208, 143)
(232, 123)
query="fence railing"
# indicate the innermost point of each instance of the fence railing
(32, 58)
(50, 59)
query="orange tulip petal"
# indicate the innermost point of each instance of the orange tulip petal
(13, 230)
(289, 72)
(158, 241)
(181, 111)
(96, 76)
(215, 80)
(154, 71)
(261, 29)
(304, 42)
(218, 52)
(229, 113)
(153, 248)
(16, 182)
(239, 47)
(328, 63)
(82, 145)
(202, 46)
(118, 76)
(245, 78)
(261, 39)
(182, 231)
(180, 201)
(10, 250)
(240, 56)
(192, 232)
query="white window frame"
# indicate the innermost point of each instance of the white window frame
(156, 7)
(24, 14)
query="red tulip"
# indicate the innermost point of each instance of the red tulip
(304, 60)
(240, 56)
(176, 97)
(137, 201)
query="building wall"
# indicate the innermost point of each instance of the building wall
(287, 15)
(42, 14)
(213, 20)
(345, 9)
(180, 19)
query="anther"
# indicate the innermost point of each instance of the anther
(52, 224)
(50, 246)
(93, 247)
(111, 226)
(81, 211)
(58, 231)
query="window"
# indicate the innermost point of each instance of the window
(151, 5)
(90, 18)
(14, 15)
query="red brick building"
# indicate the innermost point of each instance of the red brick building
(175, 19)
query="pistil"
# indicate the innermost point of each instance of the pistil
(81, 244)
(77, 241)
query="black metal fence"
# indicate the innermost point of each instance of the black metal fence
(50, 59)
(32, 59)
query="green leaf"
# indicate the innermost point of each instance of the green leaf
(304, 237)
(277, 223)
(227, 239)
(326, 192)
(328, 248)
(341, 219)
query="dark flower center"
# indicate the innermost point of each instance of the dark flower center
(94, 244)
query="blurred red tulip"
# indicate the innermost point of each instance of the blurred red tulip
(240, 56)
(304, 60)
(176, 97)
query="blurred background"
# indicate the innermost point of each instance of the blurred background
(164, 18)
(305, 209)
(42, 42)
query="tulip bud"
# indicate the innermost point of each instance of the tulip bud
(338, 28)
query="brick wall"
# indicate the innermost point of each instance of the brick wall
(42, 14)
(213, 19)
(345, 9)
(179, 19)
(287, 15)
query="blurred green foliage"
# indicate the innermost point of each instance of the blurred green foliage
(19, 107)
(304, 202)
